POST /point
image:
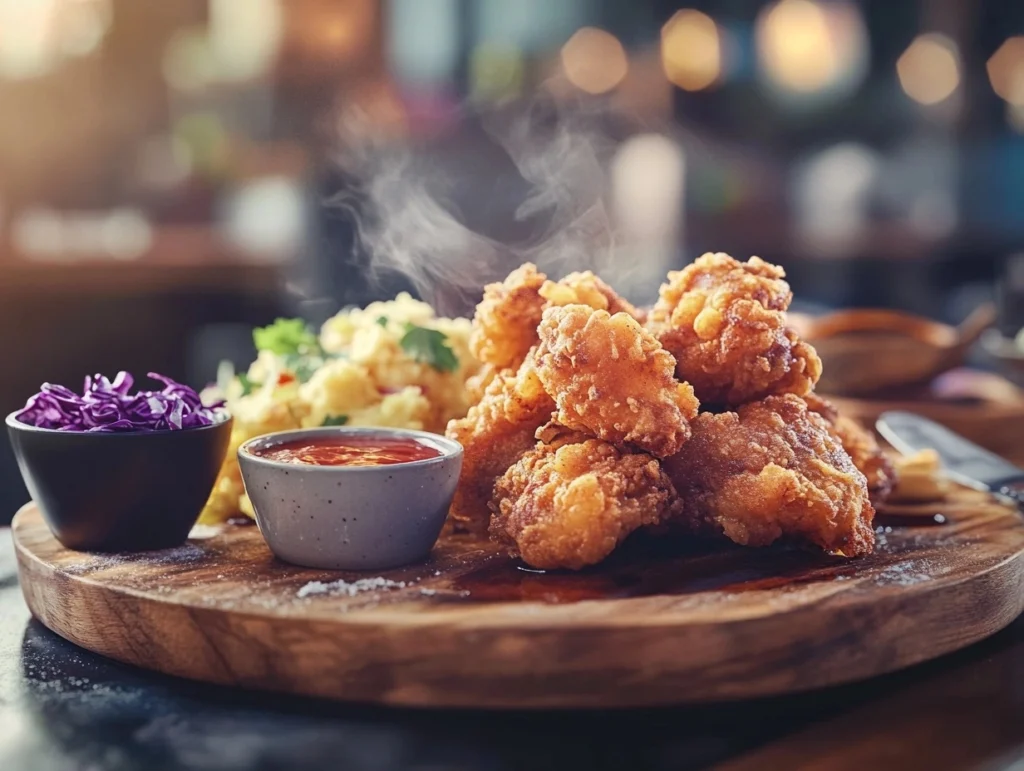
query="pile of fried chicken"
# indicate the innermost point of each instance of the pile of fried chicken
(593, 419)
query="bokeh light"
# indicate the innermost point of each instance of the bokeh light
(333, 33)
(929, 70)
(831, 192)
(647, 178)
(1006, 71)
(647, 175)
(45, 235)
(594, 60)
(245, 36)
(422, 45)
(496, 72)
(265, 218)
(81, 25)
(36, 35)
(807, 47)
(188, 62)
(691, 50)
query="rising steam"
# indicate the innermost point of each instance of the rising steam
(409, 223)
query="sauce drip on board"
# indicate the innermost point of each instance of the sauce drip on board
(348, 451)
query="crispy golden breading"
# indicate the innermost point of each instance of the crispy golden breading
(506, 319)
(505, 323)
(494, 434)
(868, 457)
(725, 323)
(570, 506)
(580, 393)
(587, 289)
(611, 379)
(477, 384)
(822, 406)
(862, 447)
(554, 434)
(772, 470)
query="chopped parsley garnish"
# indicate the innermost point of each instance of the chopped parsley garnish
(429, 347)
(248, 386)
(335, 420)
(286, 337)
(303, 366)
(296, 343)
(382, 321)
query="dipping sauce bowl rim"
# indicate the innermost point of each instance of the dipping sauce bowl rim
(449, 448)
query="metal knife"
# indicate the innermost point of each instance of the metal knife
(962, 460)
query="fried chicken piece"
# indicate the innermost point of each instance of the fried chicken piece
(494, 434)
(822, 406)
(506, 319)
(570, 506)
(587, 289)
(611, 379)
(862, 447)
(477, 384)
(725, 322)
(772, 470)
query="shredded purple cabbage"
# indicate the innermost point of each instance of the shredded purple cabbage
(107, 406)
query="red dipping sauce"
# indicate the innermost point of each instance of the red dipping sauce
(348, 451)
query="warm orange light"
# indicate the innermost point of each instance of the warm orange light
(332, 32)
(36, 35)
(594, 60)
(929, 70)
(338, 34)
(795, 46)
(691, 50)
(378, 103)
(805, 46)
(1006, 71)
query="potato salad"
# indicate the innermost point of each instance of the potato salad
(392, 364)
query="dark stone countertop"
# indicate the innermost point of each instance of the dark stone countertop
(64, 709)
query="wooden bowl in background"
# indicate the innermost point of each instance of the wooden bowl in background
(866, 352)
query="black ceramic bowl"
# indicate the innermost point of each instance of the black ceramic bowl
(120, 491)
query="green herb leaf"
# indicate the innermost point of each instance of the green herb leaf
(429, 347)
(382, 321)
(248, 386)
(335, 420)
(286, 337)
(303, 366)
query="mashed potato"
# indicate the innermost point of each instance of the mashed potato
(390, 364)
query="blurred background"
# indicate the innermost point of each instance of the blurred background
(170, 172)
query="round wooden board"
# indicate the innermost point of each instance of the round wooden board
(654, 625)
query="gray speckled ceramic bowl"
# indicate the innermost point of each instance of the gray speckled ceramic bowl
(351, 517)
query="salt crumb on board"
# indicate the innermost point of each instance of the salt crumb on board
(349, 588)
(186, 554)
(904, 574)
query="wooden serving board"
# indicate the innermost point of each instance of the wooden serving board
(658, 623)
